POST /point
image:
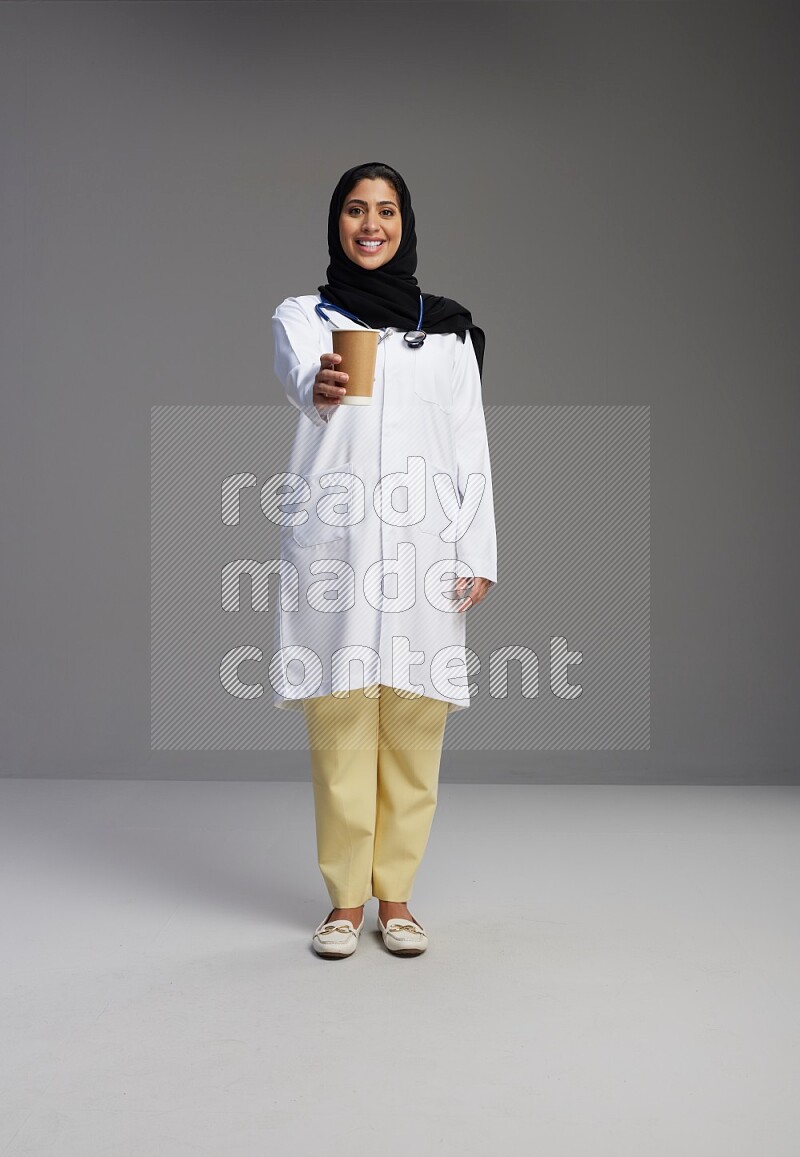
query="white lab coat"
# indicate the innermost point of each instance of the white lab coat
(426, 419)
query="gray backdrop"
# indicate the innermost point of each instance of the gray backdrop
(611, 188)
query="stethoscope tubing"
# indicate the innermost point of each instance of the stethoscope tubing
(413, 337)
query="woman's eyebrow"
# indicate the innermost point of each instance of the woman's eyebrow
(358, 201)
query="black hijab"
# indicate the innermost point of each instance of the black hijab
(389, 295)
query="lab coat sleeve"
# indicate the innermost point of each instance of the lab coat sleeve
(297, 354)
(477, 546)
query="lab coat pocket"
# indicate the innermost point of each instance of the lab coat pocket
(432, 383)
(327, 507)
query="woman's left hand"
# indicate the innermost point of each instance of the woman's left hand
(474, 593)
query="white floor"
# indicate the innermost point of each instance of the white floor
(613, 970)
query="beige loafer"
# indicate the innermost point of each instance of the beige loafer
(403, 937)
(336, 938)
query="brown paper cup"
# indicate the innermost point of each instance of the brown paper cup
(359, 350)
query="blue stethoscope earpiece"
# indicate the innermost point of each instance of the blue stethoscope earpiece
(413, 338)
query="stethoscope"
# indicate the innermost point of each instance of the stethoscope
(414, 338)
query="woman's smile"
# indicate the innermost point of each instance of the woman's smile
(370, 226)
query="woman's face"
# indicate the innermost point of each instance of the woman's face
(371, 212)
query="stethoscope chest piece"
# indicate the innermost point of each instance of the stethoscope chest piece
(415, 338)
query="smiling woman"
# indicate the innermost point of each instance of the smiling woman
(420, 454)
(370, 226)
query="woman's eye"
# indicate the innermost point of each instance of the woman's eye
(356, 209)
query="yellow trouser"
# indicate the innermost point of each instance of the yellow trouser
(375, 759)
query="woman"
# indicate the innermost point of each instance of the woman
(370, 578)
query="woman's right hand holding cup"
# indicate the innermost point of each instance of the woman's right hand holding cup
(329, 382)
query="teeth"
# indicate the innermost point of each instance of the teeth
(369, 244)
